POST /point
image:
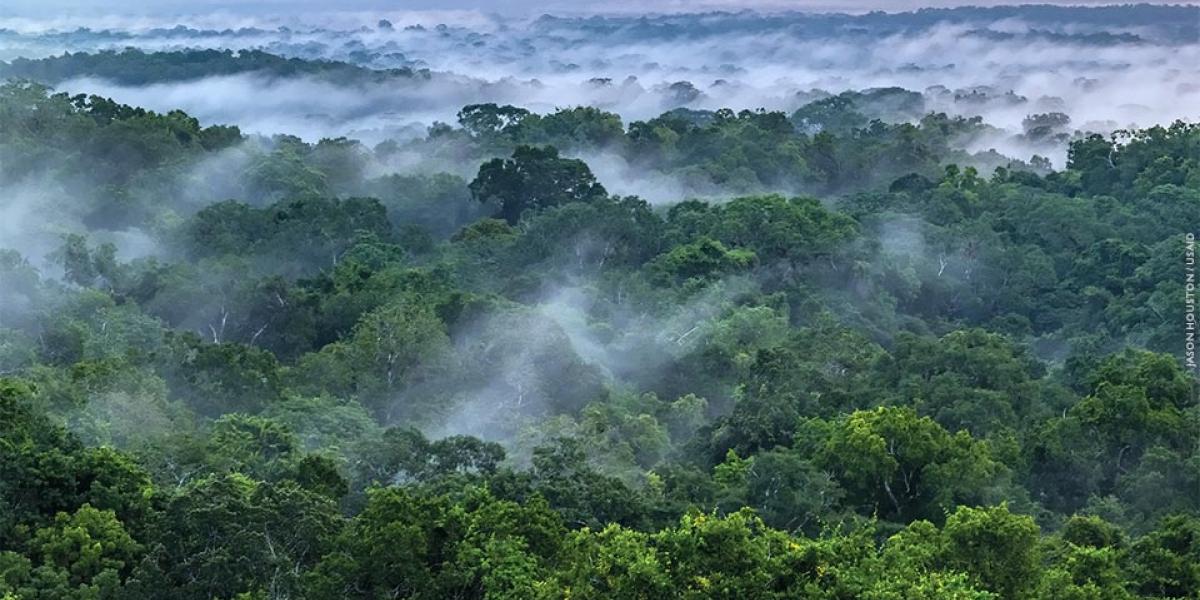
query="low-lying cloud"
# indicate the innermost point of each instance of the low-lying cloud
(1119, 70)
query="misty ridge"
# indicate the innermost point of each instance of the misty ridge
(387, 304)
(217, 182)
(391, 79)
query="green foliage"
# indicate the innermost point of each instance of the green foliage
(214, 379)
(90, 546)
(131, 66)
(906, 467)
(534, 178)
(322, 382)
(998, 548)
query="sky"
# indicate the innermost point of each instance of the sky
(60, 15)
(61, 8)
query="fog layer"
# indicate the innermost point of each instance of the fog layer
(1003, 64)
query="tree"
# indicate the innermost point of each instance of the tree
(778, 228)
(534, 178)
(1046, 127)
(790, 493)
(215, 379)
(613, 563)
(971, 379)
(226, 535)
(583, 496)
(902, 467)
(997, 548)
(254, 446)
(701, 260)
(1166, 562)
(92, 549)
(390, 346)
(44, 470)
(1086, 561)
(489, 120)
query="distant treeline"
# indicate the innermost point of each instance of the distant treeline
(135, 67)
(243, 367)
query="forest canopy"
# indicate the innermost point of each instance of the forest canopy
(841, 356)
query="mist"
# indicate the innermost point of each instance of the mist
(447, 301)
(1001, 64)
